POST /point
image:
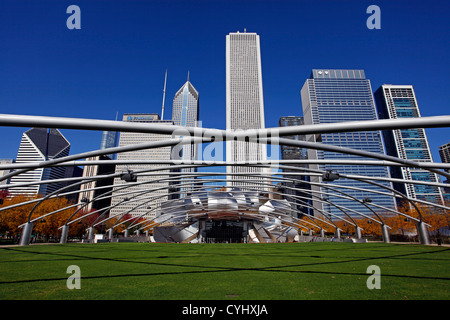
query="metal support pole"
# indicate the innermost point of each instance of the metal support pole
(125, 233)
(138, 232)
(26, 234)
(111, 234)
(358, 233)
(338, 233)
(385, 233)
(64, 233)
(91, 233)
(322, 233)
(422, 231)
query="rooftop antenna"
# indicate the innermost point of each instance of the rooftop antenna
(245, 30)
(164, 96)
(188, 76)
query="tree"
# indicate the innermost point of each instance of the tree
(12, 218)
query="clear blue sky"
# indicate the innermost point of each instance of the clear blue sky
(116, 62)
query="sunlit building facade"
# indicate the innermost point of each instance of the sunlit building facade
(244, 101)
(330, 96)
(395, 102)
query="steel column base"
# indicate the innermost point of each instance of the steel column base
(423, 233)
(26, 234)
(385, 233)
(338, 233)
(358, 233)
(64, 234)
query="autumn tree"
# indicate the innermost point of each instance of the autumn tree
(18, 214)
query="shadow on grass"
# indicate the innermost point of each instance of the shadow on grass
(215, 269)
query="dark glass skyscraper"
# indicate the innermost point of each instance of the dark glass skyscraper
(295, 190)
(330, 96)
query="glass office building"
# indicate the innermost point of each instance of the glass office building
(109, 140)
(330, 96)
(185, 112)
(296, 188)
(399, 101)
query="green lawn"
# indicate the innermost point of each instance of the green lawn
(225, 271)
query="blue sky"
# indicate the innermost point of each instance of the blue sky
(116, 62)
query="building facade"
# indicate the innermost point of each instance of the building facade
(109, 140)
(444, 153)
(185, 113)
(93, 190)
(37, 145)
(296, 191)
(135, 200)
(330, 96)
(244, 100)
(399, 101)
(5, 171)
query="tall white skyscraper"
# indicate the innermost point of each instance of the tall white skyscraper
(40, 144)
(244, 99)
(141, 205)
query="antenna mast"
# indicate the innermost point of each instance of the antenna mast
(164, 96)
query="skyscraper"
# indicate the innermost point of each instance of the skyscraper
(298, 188)
(292, 152)
(40, 144)
(399, 101)
(344, 95)
(92, 171)
(109, 140)
(5, 171)
(185, 112)
(444, 153)
(244, 99)
(145, 205)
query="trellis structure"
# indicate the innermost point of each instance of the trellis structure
(186, 209)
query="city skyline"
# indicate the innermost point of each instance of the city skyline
(78, 73)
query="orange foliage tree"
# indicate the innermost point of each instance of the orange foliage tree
(12, 218)
(400, 225)
(122, 223)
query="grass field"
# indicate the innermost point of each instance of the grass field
(285, 271)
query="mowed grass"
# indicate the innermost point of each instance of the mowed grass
(284, 271)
